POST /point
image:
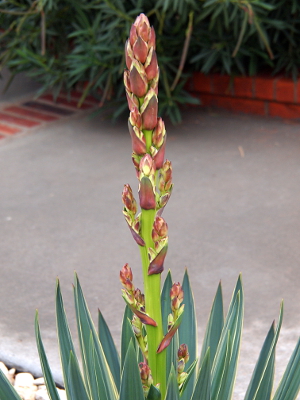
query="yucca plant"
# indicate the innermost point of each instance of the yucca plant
(159, 358)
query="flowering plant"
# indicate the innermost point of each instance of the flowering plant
(158, 342)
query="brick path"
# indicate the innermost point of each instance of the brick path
(19, 118)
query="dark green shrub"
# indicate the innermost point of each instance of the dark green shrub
(61, 43)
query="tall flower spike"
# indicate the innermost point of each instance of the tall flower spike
(148, 138)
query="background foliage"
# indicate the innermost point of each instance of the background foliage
(62, 42)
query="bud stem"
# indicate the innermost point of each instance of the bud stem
(148, 138)
(157, 362)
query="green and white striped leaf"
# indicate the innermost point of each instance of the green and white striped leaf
(214, 326)
(187, 332)
(203, 383)
(127, 334)
(264, 372)
(49, 381)
(86, 330)
(154, 393)
(190, 373)
(76, 385)
(64, 339)
(225, 364)
(7, 391)
(256, 379)
(172, 386)
(131, 384)
(166, 301)
(289, 385)
(109, 349)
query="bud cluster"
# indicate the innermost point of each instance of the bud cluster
(134, 296)
(147, 131)
(146, 377)
(176, 295)
(183, 358)
(160, 238)
(129, 211)
(175, 318)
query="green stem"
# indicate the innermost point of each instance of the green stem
(157, 362)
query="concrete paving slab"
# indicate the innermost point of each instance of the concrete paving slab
(235, 208)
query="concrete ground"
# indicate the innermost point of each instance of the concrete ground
(235, 208)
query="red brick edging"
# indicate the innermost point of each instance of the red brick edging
(261, 95)
(19, 118)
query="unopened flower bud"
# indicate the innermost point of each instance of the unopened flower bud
(165, 178)
(129, 200)
(145, 373)
(151, 66)
(140, 298)
(137, 139)
(140, 50)
(160, 229)
(159, 133)
(176, 292)
(132, 35)
(126, 275)
(135, 118)
(149, 110)
(147, 166)
(132, 100)
(138, 79)
(183, 353)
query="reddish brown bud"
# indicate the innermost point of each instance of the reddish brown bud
(138, 81)
(142, 26)
(165, 179)
(146, 194)
(156, 266)
(129, 200)
(159, 133)
(140, 298)
(143, 29)
(183, 353)
(137, 140)
(132, 35)
(132, 100)
(126, 278)
(160, 156)
(135, 117)
(160, 229)
(146, 377)
(140, 50)
(151, 66)
(149, 110)
(176, 292)
(126, 272)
